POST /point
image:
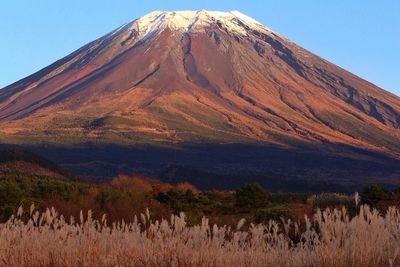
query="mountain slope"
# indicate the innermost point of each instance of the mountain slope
(18, 162)
(199, 77)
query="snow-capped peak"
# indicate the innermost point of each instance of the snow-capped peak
(193, 21)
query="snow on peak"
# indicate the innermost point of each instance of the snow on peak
(244, 17)
(193, 21)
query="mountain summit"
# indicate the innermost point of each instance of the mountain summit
(179, 77)
(193, 21)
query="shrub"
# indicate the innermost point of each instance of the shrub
(251, 196)
(177, 200)
(108, 196)
(373, 193)
(272, 213)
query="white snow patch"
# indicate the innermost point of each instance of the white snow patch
(244, 17)
(157, 21)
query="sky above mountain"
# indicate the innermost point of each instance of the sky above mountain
(360, 36)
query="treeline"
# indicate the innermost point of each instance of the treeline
(125, 197)
(23, 190)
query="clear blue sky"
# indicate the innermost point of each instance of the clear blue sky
(362, 36)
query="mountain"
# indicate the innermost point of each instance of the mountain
(205, 78)
(22, 163)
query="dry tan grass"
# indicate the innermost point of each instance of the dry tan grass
(331, 238)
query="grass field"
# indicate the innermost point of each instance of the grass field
(329, 238)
